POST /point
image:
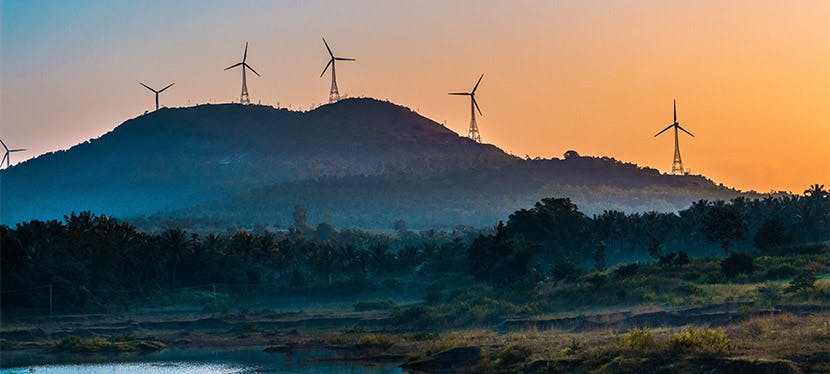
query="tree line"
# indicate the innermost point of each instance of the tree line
(99, 260)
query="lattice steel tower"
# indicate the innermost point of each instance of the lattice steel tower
(473, 132)
(334, 94)
(677, 163)
(243, 97)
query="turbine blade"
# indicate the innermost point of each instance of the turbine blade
(168, 86)
(476, 105)
(245, 55)
(4, 144)
(459, 93)
(17, 150)
(479, 81)
(233, 66)
(684, 130)
(327, 48)
(344, 59)
(664, 130)
(675, 111)
(252, 69)
(326, 68)
(5, 157)
(146, 86)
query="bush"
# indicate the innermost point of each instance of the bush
(781, 271)
(627, 270)
(374, 341)
(513, 355)
(737, 263)
(700, 340)
(803, 281)
(639, 340)
(378, 303)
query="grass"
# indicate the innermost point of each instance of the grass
(99, 344)
(378, 303)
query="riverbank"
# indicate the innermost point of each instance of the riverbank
(788, 337)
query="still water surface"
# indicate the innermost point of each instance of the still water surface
(189, 361)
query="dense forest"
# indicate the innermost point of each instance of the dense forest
(100, 261)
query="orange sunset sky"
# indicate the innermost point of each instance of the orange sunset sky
(751, 78)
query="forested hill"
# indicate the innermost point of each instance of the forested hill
(178, 156)
(357, 162)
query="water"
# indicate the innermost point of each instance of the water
(189, 361)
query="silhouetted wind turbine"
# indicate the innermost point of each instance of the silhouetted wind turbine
(7, 158)
(244, 97)
(473, 132)
(677, 164)
(334, 95)
(156, 92)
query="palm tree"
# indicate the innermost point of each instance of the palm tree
(816, 191)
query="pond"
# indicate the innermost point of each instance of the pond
(191, 361)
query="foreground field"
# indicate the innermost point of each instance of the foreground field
(766, 312)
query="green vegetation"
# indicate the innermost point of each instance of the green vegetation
(378, 303)
(98, 344)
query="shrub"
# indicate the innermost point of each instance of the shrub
(737, 263)
(639, 340)
(781, 271)
(374, 341)
(627, 270)
(572, 348)
(700, 340)
(378, 303)
(803, 281)
(513, 355)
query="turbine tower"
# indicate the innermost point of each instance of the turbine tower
(334, 95)
(156, 92)
(243, 98)
(677, 164)
(473, 132)
(7, 157)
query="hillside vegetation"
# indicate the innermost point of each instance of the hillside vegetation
(355, 163)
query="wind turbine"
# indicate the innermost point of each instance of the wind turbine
(156, 92)
(7, 158)
(243, 99)
(334, 95)
(473, 132)
(677, 164)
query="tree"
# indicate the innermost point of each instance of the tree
(599, 258)
(554, 223)
(772, 233)
(723, 223)
(300, 217)
(564, 268)
(499, 259)
(655, 248)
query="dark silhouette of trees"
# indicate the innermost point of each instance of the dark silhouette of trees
(600, 260)
(773, 233)
(724, 224)
(500, 259)
(300, 217)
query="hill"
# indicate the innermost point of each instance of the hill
(357, 162)
(176, 157)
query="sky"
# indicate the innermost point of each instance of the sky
(751, 78)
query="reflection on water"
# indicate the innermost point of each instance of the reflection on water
(195, 361)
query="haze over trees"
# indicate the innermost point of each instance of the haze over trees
(99, 260)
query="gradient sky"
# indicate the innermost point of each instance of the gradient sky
(752, 78)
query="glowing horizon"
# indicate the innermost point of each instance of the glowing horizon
(751, 79)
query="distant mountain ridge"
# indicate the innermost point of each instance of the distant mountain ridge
(208, 159)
